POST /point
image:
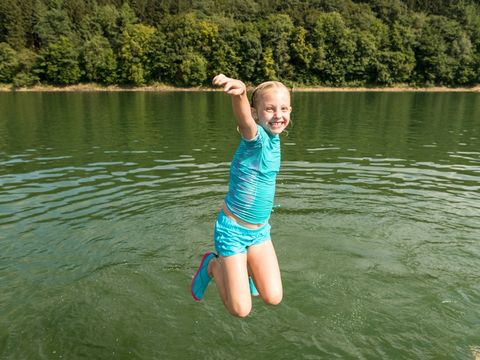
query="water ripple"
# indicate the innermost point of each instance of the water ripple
(102, 189)
(418, 191)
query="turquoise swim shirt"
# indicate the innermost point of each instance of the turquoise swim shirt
(253, 174)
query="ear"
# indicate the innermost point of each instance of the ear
(254, 113)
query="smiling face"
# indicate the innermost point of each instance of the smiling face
(272, 108)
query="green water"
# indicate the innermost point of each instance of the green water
(107, 201)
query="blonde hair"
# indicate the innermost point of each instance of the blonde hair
(263, 87)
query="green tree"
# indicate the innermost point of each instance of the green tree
(397, 59)
(370, 36)
(77, 10)
(8, 63)
(27, 74)
(389, 11)
(134, 57)
(465, 68)
(443, 51)
(184, 48)
(12, 27)
(109, 21)
(158, 62)
(302, 55)
(99, 60)
(366, 56)
(180, 38)
(192, 70)
(51, 24)
(59, 62)
(276, 34)
(126, 16)
(218, 39)
(268, 66)
(223, 59)
(242, 10)
(103, 21)
(334, 45)
(248, 47)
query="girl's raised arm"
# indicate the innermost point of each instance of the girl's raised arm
(241, 107)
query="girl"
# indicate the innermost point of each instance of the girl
(242, 232)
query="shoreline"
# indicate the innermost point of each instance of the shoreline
(167, 88)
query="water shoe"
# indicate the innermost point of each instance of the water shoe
(202, 279)
(253, 289)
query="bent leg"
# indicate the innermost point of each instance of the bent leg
(231, 277)
(263, 264)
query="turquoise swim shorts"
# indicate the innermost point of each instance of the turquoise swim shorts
(232, 238)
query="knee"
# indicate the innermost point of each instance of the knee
(240, 310)
(273, 298)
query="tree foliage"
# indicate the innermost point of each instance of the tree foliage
(185, 43)
(99, 61)
(8, 63)
(59, 62)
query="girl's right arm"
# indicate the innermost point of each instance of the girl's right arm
(241, 107)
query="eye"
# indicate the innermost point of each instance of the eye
(269, 109)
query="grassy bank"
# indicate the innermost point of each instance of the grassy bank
(161, 87)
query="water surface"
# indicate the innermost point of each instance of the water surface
(107, 201)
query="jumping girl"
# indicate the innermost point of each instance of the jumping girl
(242, 231)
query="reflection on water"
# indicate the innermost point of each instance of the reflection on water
(108, 200)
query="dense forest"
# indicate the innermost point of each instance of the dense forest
(185, 42)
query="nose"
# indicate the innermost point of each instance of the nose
(278, 114)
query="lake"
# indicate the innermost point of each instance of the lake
(108, 200)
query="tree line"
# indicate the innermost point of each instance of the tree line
(186, 42)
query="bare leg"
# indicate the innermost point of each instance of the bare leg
(231, 277)
(263, 264)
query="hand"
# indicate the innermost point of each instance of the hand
(230, 86)
(241, 107)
